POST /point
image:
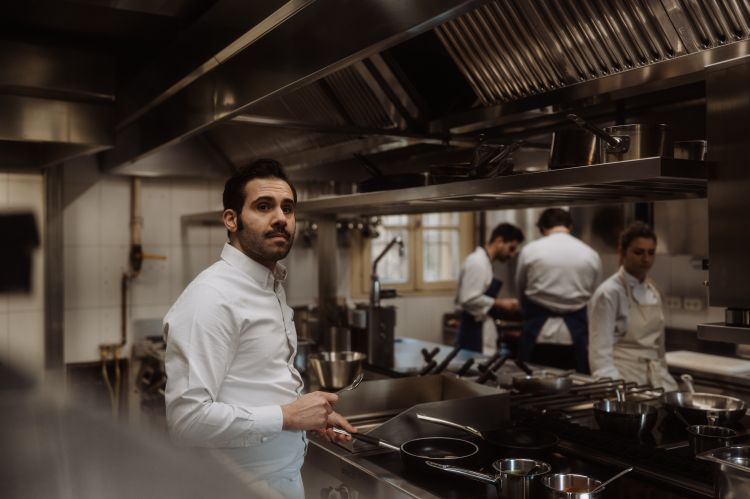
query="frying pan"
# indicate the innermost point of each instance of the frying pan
(522, 441)
(705, 408)
(416, 452)
(542, 382)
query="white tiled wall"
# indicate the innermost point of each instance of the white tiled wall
(97, 245)
(22, 315)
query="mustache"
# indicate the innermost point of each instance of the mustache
(274, 233)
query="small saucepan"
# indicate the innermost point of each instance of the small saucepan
(705, 408)
(416, 452)
(541, 382)
(522, 442)
(513, 478)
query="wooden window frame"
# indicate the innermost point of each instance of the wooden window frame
(361, 259)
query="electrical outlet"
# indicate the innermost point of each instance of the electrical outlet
(693, 304)
(673, 302)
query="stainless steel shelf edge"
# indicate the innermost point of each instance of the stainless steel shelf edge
(625, 181)
(719, 331)
(649, 178)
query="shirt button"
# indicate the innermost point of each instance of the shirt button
(264, 439)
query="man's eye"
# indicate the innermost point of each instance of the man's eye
(263, 206)
(288, 209)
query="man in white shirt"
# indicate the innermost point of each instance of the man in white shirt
(477, 291)
(626, 317)
(231, 343)
(556, 275)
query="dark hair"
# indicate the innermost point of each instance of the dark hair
(633, 232)
(554, 217)
(507, 232)
(234, 188)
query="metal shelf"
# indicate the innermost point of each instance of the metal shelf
(648, 179)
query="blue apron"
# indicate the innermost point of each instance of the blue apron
(470, 329)
(534, 317)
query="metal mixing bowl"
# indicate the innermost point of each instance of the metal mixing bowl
(335, 370)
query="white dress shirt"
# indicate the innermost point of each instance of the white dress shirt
(475, 277)
(608, 319)
(230, 354)
(559, 272)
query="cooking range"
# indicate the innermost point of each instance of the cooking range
(663, 463)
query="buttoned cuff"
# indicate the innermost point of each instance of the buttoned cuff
(267, 420)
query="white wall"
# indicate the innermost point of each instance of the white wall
(96, 248)
(22, 315)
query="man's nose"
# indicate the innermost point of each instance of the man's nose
(279, 217)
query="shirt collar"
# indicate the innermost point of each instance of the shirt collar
(630, 279)
(255, 270)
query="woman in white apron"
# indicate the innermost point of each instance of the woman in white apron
(626, 321)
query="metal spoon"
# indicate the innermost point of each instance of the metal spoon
(354, 384)
(604, 484)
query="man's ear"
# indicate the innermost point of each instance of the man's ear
(230, 220)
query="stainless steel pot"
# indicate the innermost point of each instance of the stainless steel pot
(626, 418)
(731, 471)
(633, 141)
(705, 408)
(706, 437)
(335, 370)
(573, 147)
(571, 486)
(513, 478)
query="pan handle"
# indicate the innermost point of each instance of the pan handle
(523, 366)
(688, 380)
(490, 479)
(614, 144)
(444, 422)
(366, 438)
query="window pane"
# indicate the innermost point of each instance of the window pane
(440, 255)
(437, 219)
(402, 220)
(392, 268)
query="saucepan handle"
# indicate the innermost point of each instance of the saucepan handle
(614, 144)
(366, 438)
(464, 472)
(523, 366)
(430, 419)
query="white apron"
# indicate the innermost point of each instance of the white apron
(639, 354)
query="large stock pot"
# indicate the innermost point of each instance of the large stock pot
(632, 141)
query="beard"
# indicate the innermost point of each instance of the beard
(266, 246)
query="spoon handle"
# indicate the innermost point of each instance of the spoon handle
(604, 484)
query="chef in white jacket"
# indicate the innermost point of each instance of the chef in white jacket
(476, 296)
(626, 321)
(555, 277)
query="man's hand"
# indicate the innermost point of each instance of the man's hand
(507, 304)
(309, 412)
(336, 419)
